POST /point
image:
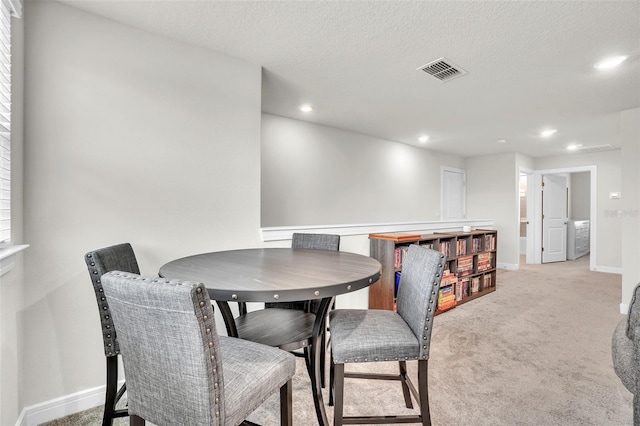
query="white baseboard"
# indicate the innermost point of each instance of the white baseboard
(508, 266)
(608, 270)
(62, 406)
(624, 308)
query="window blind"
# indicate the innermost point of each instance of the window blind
(6, 9)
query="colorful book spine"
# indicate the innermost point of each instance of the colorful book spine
(465, 266)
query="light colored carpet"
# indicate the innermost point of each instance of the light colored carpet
(535, 352)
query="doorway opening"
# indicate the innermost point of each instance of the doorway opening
(581, 206)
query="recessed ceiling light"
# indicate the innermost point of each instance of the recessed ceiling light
(548, 133)
(501, 140)
(574, 146)
(306, 108)
(610, 62)
(423, 139)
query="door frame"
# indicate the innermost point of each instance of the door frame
(537, 214)
(444, 169)
(531, 226)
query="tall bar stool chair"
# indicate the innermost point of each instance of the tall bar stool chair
(289, 330)
(367, 336)
(179, 371)
(115, 258)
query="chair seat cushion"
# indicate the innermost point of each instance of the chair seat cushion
(251, 371)
(623, 350)
(369, 335)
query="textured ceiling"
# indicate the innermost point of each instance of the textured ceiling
(529, 64)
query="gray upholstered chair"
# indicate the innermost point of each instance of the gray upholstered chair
(367, 336)
(179, 371)
(289, 330)
(626, 352)
(115, 258)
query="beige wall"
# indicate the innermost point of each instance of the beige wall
(129, 137)
(579, 195)
(319, 175)
(11, 284)
(608, 234)
(493, 192)
(630, 202)
(133, 137)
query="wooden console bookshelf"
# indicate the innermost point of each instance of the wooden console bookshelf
(470, 270)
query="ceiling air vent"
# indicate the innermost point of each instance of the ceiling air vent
(443, 69)
(596, 148)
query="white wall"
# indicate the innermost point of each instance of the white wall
(630, 202)
(11, 284)
(318, 175)
(129, 137)
(492, 191)
(133, 137)
(579, 195)
(609, 179)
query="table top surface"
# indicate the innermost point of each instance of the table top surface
(275, 274)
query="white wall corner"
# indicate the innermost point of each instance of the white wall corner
(608, 270)
(62, 406)
(508, 266)
(7, 257)
(624, 308)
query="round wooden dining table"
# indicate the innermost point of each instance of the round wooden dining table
(279, 275)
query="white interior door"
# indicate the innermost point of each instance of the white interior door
(554, 218)
(453, 194)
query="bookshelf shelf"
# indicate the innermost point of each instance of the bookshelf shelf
(470, 271)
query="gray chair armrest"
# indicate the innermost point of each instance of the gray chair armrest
(633, 319)
(623, 352)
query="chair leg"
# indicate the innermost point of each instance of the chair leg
(112, 389)
(136, 421)
(338, 412)
(323, 358)
(423, 372)
(286, 411)
(331, 381)
(403, 381)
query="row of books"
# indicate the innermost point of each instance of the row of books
(399, 256)
(446, 298)
(445, 248)
(476, 244)
(465, 266)
(489, 242)
(469, 286)
(461, 247)
(484, 261)
(448, 278)
(401, 252)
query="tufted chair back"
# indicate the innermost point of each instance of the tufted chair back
(171, 350)
(418, 293)
(115, 258)
(315, 241)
